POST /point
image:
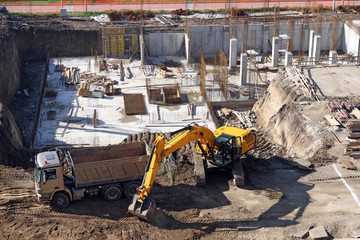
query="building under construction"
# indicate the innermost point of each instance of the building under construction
(292, 77)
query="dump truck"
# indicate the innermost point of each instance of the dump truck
(62, 176)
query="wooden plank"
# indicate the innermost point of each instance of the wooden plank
(354, 135)
(348, 165)
(357, 143)
(331, 120)
(134, 104)
(355, 155)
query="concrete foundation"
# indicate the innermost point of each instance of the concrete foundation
(288, 58)
(275, 52)
(317, 49)
(142, 50)
(243, 69)
(332, 57)
(187, 49)
(232, 53)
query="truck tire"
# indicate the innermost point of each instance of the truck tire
(130, 189)
(112, 193)
(60, 201)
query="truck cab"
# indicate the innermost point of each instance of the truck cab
(49, 180)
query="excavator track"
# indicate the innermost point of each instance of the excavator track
(44, 214)
(124, 220)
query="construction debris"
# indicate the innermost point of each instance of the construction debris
(84, 89)
(318, 233)
(348, 165)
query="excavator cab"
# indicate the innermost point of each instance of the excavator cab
(226, 147)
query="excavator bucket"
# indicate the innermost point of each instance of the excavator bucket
(142, 210)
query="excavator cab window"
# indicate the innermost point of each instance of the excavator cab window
(225, 150)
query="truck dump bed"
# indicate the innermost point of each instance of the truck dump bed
(99, 165)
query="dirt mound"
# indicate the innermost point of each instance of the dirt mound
(289, 119)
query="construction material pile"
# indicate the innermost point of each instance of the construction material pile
(242, 119)
(129, 16)
(84, 89)
(344, 111)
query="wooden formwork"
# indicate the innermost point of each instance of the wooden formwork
(163, 94)
(134, 104)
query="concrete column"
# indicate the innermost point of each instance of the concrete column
(243, 69)
(311, 45)
(266, 39)
(332, 57)
(316, 49)
(232, 53)
(288, 58)
(275, 52)
(358, 55)
(187, 49)
(142, 50)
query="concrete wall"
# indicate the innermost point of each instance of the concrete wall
(165, 44)
(211, 38)
(350, 41)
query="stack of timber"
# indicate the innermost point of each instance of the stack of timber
(353, 125)
(84, 89)
(353, 148)
(244, 119)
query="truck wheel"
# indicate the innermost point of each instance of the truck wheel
(60, 201)
(130, 189)
(112, 194)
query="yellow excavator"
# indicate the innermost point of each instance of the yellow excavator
(220, 148)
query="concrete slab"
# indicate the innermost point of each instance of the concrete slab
(341, 81)
(318, 233)
(113, 124)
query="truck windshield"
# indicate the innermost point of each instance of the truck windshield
(37, 174)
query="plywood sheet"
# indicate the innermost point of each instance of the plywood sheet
(331, 120)
(134, 104)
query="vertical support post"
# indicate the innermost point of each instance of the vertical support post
(232, 53)
(275, 52)
(317, 49)
(332, 57)
(243, 69)
(142, 49)
(288, 58)
(187, 48)
(311, 45)
(358, 54)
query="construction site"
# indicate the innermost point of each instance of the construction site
(109, 87)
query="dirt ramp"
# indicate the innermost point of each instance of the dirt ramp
(289, 119)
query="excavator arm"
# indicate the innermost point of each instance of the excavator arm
(142, 206)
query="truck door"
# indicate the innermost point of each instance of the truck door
(50, 182)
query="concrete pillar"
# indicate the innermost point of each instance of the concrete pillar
(332, 57)
(187, 49)
(311, 45)
(358, 55)
(266, 39)
(232, 53)
(316, 49)
(275, 52)
(142, 50)
(288, 58)
(243, 69)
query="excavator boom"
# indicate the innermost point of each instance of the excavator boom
(142, 206)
